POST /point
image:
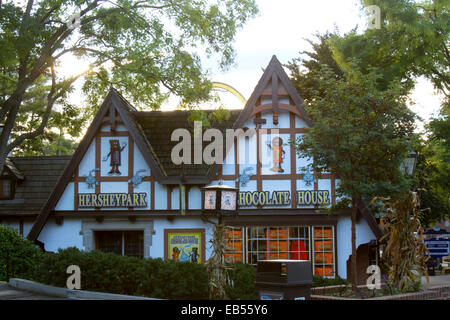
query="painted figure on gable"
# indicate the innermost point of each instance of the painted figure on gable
(114, 154)
(277, 154)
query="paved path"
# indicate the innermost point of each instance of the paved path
(10, 293)
(436, 281)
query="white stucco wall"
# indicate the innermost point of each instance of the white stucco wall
(344, 245)
(63, 236)
(157, 248)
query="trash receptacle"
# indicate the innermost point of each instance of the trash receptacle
(284, 279)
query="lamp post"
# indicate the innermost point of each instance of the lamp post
(218, 200)
(409, 163)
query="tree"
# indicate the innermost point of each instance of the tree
(65, 123)
(433, 169)
(304, 70)
(142, 47)
(361, 133)
(439, 129)
(18, 256)
(412, 41)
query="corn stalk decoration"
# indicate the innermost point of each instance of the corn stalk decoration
(217, 269)
(405, 252)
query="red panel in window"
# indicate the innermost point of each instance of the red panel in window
(298, 249)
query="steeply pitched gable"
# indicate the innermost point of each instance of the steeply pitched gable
(273, 86)
(114, 109)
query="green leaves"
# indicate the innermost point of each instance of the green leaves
(18, 257)
(412, 41)
(359, 132)
(146, 49)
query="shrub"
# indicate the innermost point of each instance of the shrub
(104, 272)
(18, 257)
(319, 281)
(244, 287)
(180, 280)
(108, 272)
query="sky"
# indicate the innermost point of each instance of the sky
(280, 29)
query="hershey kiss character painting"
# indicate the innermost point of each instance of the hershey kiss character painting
(114, 154)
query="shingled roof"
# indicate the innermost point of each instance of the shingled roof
(40, 175)
(158, 127)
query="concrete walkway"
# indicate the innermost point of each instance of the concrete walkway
(10, 293)
(26, 289)
(440, 280)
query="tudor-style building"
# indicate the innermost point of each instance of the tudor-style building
(122, 192)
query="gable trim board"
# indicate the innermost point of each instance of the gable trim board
(115, 106)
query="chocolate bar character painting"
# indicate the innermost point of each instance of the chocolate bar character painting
(114, 154)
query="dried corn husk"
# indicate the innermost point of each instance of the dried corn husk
(405, 253)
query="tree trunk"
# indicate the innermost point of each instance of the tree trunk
(13, 104)
(354, 275)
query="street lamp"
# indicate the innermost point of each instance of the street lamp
(409, 163)
(220, 199)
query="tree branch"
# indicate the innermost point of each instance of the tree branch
(52, 97)
(45, 117)
(100, 53)
(49, 13)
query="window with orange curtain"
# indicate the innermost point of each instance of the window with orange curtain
(277, 243)
(314, 243)
(323, 255)
(234, 245)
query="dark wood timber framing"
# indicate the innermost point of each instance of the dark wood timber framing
(113, 101)
(280, 220)
(273, 75)
(274, 69)
(115, 109)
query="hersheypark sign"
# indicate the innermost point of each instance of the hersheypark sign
(111, 200)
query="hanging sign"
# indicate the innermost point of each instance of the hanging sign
(283, 198)
(264, 198)
(112, 200)
(313, 197)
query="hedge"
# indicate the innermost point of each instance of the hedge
(325, 282)
(108, 272)
(18, 257)
(156, 278)
(243, 277)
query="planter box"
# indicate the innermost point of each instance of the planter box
(433, 293)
